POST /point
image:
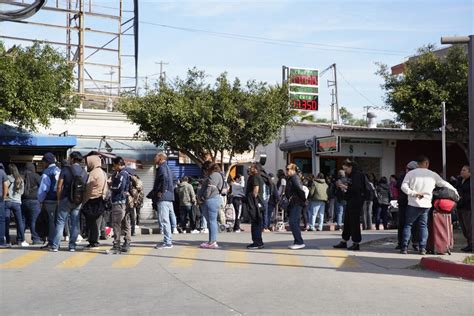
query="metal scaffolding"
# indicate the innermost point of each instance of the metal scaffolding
(101, 40)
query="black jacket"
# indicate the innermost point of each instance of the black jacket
(355, 192)
(294, 191)
(383, 194)
(464, 190)
(32, 182)
(402, 197)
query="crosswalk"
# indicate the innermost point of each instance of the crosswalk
(181, 257)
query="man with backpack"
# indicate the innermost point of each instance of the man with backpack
(134, 199)
(70, 193)
(47, 193)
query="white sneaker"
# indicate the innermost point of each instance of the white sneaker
(66, 238)
(296, 247)
(205, 231)
(24, 244)
(175, 231)
(195, 231)
(79, 238)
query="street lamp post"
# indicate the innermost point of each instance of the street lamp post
(469, 40)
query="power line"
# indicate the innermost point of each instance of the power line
(280, 42)
(360, 93)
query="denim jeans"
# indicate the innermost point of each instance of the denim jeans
(66, 210)
(20, 224)
(381, 216)
(171, 219)
(268, 215)
(413, 214)
(339, 207)
(210, 209)
(50, 207)
(165, 208)
(315, 208)
(295, 217)
(31, 210)
(2, 222)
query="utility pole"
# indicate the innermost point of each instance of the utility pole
(80, 48)
(161, 63)
(469, 40)
(335, 100)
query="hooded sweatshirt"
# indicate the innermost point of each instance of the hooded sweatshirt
(319, 190)
(96, 185)
(186, 194)
(32, 182)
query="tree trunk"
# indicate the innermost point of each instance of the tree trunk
(222, 160)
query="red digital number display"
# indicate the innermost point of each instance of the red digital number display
(308, 105)
(304, 79)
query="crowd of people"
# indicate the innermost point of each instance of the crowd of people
(72, 202)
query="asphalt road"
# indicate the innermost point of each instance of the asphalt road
(231, 280)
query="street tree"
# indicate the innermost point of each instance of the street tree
(347, 118)
(427, 81)
(200, 120)
(36, 84)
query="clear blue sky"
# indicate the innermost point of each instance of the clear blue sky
(386, 31)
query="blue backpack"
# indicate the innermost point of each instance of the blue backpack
(51, 195)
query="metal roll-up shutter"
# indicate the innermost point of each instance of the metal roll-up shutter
(147, 175)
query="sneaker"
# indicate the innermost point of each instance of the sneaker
(341, 245)
(195, 231)
(164, 246)
(205, 231)
(204, 245)
(92, 246)
(8, 245)
(125, 247)
(207, 245)
(66, 238)
(404, 251)
(255, 246)
(422, 251)
(266, 230)
(53, 249)
(79, 239)
(466, 249)
(237, 231)
(296, 246)
(319, 229)
(355, 247)
(415, 247)
(24, 244)
(175, 231)
(398, 247)
(72, 249)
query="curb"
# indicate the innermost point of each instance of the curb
(461, 270)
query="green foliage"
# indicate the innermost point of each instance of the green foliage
(427, 81)
(347, 118)
(36, 84)
(199, 119)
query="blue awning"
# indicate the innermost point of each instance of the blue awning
(16, 137)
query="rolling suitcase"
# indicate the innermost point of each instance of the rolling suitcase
(440, 233)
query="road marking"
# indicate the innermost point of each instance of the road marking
(80, 259)
(133, 258)
(340, 258)
(185, 258)
(23, 260)
(289, 258)
(236, 259)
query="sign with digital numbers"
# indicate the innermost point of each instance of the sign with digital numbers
(328, 144)
(303, 85)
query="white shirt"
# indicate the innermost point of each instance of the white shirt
(237, 189)
(422, 181)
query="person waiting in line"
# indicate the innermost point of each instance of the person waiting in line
(163, 197)
(16, 187)
(47, 193)
(464, 206)
(340, 200)
(210, 200)
(255, 206)
(394, 192)
(418, 185)
(318, 196)
(187, 199)
(297, 200)
(367, 208)
(94, 199)
(3, 197)
(29, 201)
(383, 202)
(355, 189)
(237, 194)
(70, 194)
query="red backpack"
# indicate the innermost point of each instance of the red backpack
(444, 205)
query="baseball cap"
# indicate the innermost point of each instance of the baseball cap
(49, 158)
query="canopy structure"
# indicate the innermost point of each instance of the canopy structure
(15, 137)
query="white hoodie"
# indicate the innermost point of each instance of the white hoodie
(422, 181)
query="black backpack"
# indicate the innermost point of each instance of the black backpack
(78, 188)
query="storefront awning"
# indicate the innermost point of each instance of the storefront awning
(15, 137)
(128, 149)
(298, 145)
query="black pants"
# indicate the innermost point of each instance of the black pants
(352, 223)
(256, 227)
(237, 203)
(93, 224)
(185, 212)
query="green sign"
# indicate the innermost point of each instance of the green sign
(303, 88)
